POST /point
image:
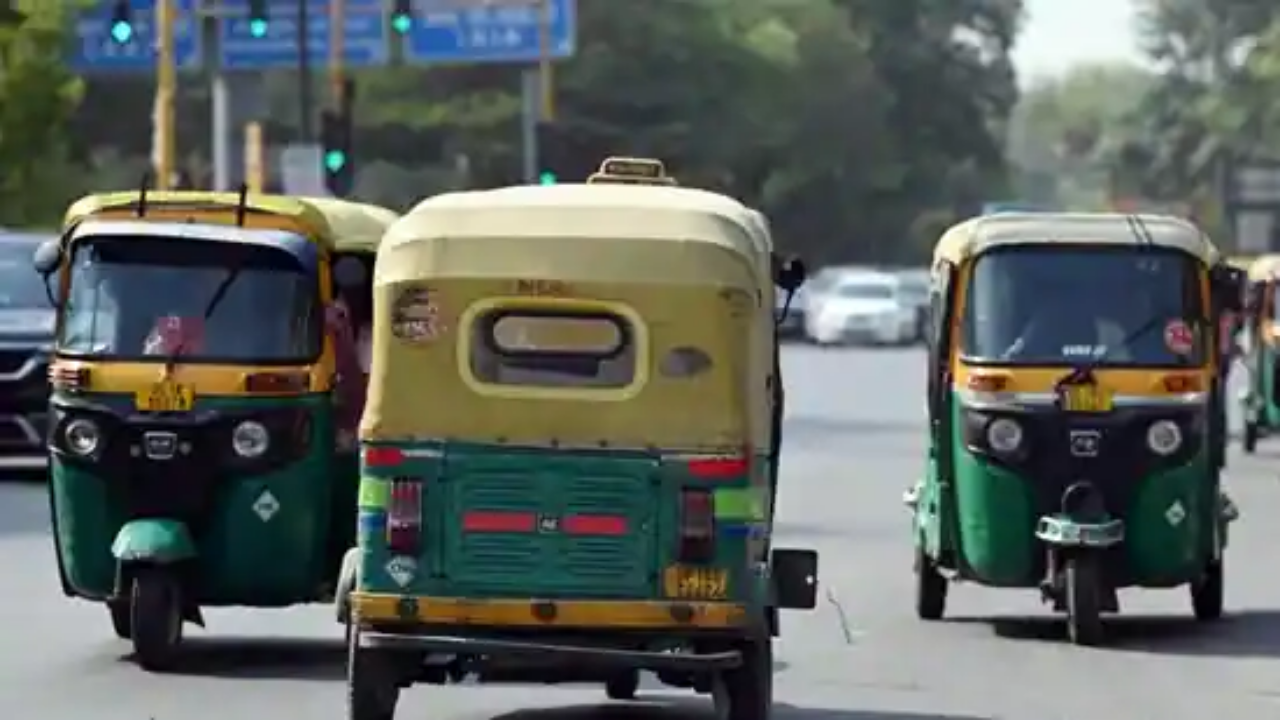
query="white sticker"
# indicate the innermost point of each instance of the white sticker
(402, 569)
(1175, 514)
(266, 506)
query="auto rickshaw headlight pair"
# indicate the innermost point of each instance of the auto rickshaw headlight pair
(1004, 435)
(1164, 437)
(250, 439)
(82, 437)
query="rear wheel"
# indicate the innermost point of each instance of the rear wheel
(746, 692)
(372, 687)
(931, 587)
(121, 621)
(1084, 610)
(624, 686)
(1207, 595)
(1249, 439)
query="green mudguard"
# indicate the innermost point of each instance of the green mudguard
(153, 540)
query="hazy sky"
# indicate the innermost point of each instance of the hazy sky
(1060, 33)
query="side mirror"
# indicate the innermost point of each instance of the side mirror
(48, 258)
(789, 274)
(1229, 287)
(349, 272)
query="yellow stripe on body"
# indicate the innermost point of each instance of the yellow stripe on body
(369, 607)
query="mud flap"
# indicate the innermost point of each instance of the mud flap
(795, 578)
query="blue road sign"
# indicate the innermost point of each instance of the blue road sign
(492, 33)
(96, 51)
(364, 44)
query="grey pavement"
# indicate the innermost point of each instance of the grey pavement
(855, 438)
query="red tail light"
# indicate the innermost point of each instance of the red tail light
(697, 527)
(404, 517)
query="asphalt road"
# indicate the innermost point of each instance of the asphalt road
(855, 441)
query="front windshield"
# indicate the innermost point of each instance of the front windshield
(126, 293)
(1067, 306)
(21, 287)
(866, 291)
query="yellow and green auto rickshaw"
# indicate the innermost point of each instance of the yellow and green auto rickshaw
(1261, 335)
(569, 448)
(1073, 398)
(192, 431)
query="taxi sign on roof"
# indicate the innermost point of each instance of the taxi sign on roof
(631, 171)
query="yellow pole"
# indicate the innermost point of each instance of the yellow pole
(545, 72)
(254, 164)
(164, 145)
(337, 50)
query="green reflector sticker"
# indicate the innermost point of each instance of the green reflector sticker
(739, 504)
(375, 493)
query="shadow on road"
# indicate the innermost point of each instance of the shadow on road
(664, 708)
(262, 658)
(1249, 633)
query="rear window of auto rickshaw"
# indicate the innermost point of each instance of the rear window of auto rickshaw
(562, 349)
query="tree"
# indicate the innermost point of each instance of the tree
(37, 98)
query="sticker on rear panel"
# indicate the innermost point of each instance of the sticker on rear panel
(402, 569)
(266, 506)
(1175, 514)
(1179, 337)
(415, 316)
(375, 494)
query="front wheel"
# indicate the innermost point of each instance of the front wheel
(931, 587)
(155, 618)
(1084, 610)
(1207, 594)
(373, 690)
(1249, 439)
(746, 692)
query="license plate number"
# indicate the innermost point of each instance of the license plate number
(1086, 399)
(692, 583)
(165, 397)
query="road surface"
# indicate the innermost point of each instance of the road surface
(855, 437)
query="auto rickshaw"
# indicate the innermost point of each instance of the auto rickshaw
(595, 497)
(1072, 401)
(1260, 401)
(192, 433)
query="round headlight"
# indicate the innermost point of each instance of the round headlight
(82, 437)
(1004, 435)
(1164, 437)
(250, 439)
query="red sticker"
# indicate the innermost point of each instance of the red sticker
(1179, 338)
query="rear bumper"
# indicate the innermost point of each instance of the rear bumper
(597, 656)
(603, 615)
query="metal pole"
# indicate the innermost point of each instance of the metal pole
(221, 133)
(306, 120)
(337, 51)
(528, 123)
(163, 145)
(545, 69)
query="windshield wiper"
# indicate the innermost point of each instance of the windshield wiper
(215, 300)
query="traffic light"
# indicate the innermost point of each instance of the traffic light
(402, 17)
(122, 22)
(551, 153)
(258, 18)
(335, 141)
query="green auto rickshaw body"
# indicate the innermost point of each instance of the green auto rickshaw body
(1261, 334)
(1033, 464)
(145, 470)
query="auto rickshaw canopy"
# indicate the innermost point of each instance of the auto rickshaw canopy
(357, 227)
(1264, 268)
(976, 236)
(689, 270)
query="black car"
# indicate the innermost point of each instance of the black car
(26, 336)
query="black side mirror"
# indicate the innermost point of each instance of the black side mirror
(348, 272)
(48, 258)
(1229, 286)
(789, 274)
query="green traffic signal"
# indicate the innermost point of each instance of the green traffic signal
(402, 23)
(547, 178)
(121, 31)
(335, 160)
(258, 28)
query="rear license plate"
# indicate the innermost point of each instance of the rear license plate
(1086, 399)
(165, 397)
(694, 583)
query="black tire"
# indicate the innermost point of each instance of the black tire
(373, 690)
(746, 692)
(1084, 610)
(155, 618)
(1207, 595)
(1249, 439)
(121, 619)
(624, 686)
(931, 587)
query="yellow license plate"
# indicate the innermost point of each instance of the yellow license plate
(166, 397)
(693, 583)
(1086, 399)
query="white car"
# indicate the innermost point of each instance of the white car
(863, 307)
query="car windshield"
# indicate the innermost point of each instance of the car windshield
(126, 293)
(1065, 306)
(21, 287)
(866, 291)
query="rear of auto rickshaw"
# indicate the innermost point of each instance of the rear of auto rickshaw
(1073, 398)
(192, 436)
(569, 448)
(1260, 399)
